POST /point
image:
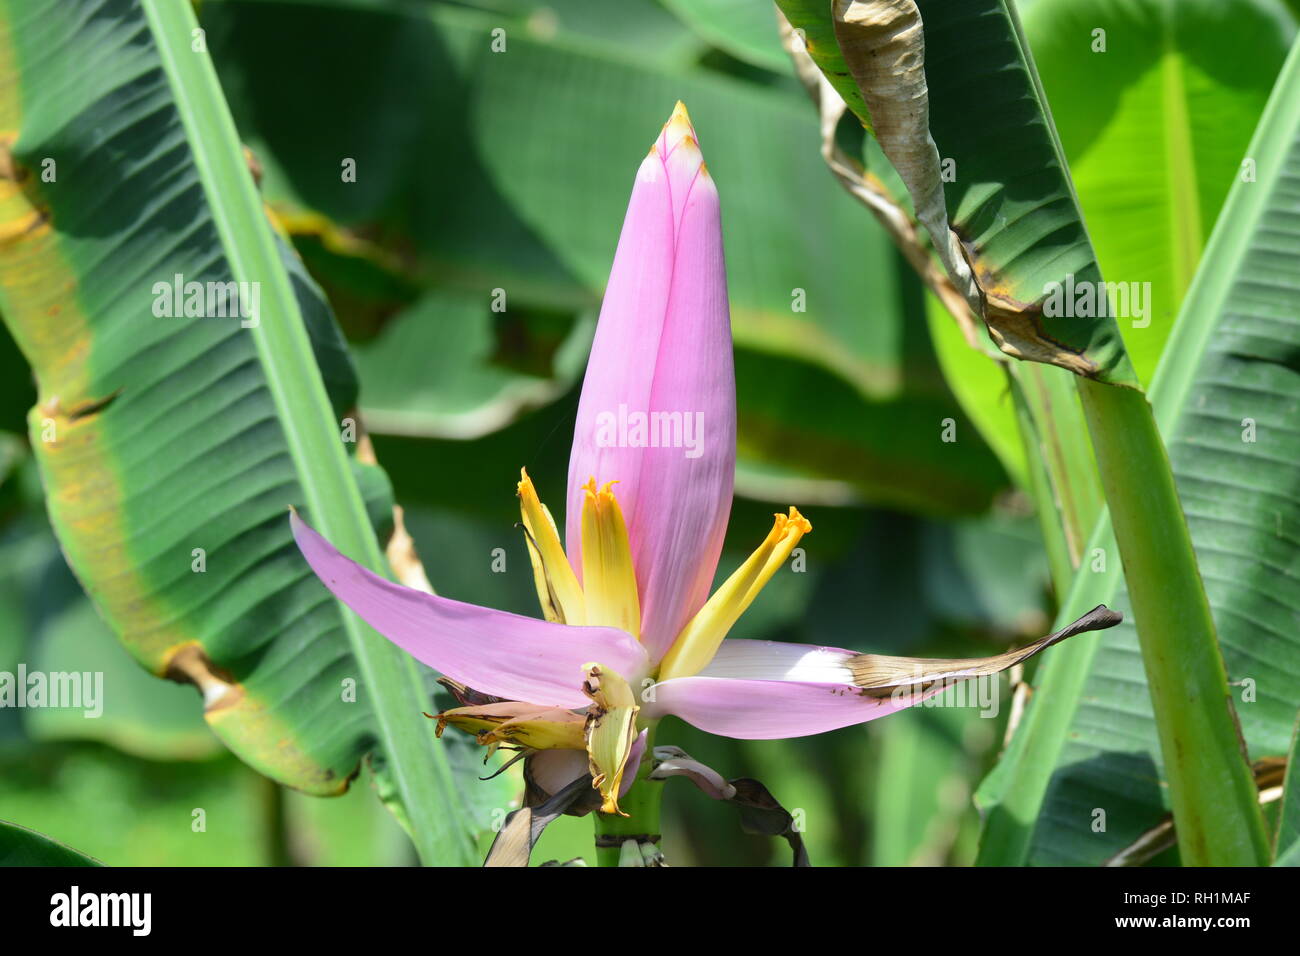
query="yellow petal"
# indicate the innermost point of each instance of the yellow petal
(611, 731)
(699, 640)
(557, 586)
(519, 724)
(608, 578)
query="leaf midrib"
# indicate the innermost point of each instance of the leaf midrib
(1187, 234)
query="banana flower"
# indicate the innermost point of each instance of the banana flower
(631, 633)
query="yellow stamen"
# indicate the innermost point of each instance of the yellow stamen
(699, 640)
(611, 731)
(557, 585)
(608, 578)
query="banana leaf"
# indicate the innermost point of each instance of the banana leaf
(1227, 395)
(191, 388)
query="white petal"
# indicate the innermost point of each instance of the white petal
(773, 660)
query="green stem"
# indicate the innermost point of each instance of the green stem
(1060, 525)
(275, 821)
(1061, 439)
(1068, 498)
(1215, 804)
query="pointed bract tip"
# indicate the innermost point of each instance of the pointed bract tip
(678, 131)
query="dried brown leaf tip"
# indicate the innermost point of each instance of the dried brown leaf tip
(1016, 327)
(883, 42)
(881, 676)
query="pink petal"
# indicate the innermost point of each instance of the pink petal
(494, 652)
(685, 502)
(682, 165)
(676, 500)
(621, 368)
(770, 710)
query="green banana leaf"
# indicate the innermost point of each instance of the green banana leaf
(643, 29)
(981, 387)
(171, 445)
(1013, 214)
(742, 28)
(1200, 73)
(811, 20)
(1226, 393)
(1154, 116)
(59, 631)
(448, 367)
(20, 846)
(1287, 844)
(1009, 199)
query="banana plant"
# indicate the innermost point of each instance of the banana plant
(950, 93)
(1225, 394)
(192, 387)
(197, 417)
